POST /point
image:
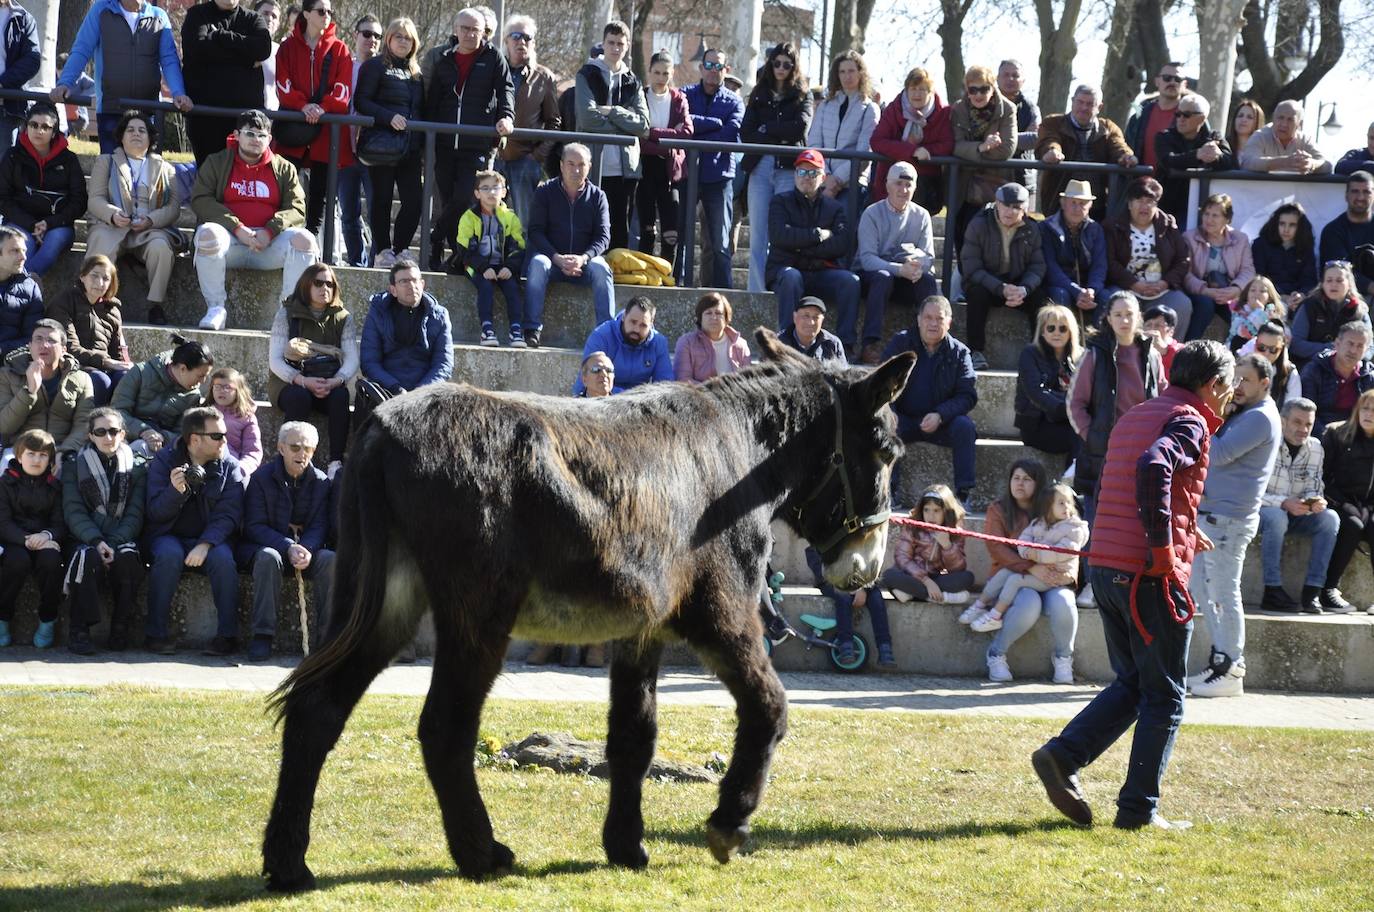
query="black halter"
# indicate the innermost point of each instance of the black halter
(852, 522)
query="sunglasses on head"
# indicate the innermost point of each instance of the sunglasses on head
(323, 283)
(106, 432)
(213, 435)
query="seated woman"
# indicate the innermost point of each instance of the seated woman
(90, 312)
(1348, 475)
(1146, 253)
(930, 566)
(313, 355)
(103, 492)
(31, 530)
(135, 201)
(913, 128)
(715, 347)
(153, 395)
(1220, 265)
(42, 188)
(1285, 252)
(1271, 343)
(1322, 313)
(1043, 376)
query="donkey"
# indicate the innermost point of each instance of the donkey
(637, 518)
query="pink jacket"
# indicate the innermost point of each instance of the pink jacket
(916, 552)
(679, 127)
(694, 358)
(244, 440)
(1068, 533)
(1235, 254)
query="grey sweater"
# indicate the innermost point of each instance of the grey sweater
(887, 238)
(1241, 460)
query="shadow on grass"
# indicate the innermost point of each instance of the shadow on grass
(772, 837)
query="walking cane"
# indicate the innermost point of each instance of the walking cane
(300, 596)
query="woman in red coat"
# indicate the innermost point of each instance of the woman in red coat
(300, 71)
(657, 196)
(915, 126)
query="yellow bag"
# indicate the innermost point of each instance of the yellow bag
(630, 278)
(662, 266)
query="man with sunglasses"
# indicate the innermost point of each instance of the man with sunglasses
(716, 113)
(1155, 113)
(195, 508)
(1080, 135)
(1187, 147)
(225, 44)
(808, 243)
(536, 108)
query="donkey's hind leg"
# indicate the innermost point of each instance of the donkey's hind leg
(463, 674)
(632, 729)
(733, 649)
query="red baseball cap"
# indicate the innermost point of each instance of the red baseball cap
(812, 158)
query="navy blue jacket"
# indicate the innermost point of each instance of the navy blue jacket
(560, 225)
(22, 57)
(953, 390)
(793, 223)
(825, 348)
(1289, 268)
(21, 306)
(1319, 383)
(717, 118)
(220, 502)
(1060, 268)
(268, 507)
(396, 367)
(1352, 161)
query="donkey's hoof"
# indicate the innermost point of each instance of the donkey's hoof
(627, 854)
(500, 860)
(297, 881)
(724, 843)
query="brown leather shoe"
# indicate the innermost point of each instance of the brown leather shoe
(872, 354)
(1061, 786)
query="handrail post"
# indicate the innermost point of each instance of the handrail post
(425, 197)
(851, 208)
(595, 175)
(331, 193)
(951, 220)
(687, 237)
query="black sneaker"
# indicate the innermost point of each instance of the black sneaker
(119, 638)
(156, 315)
(1333, 603)
(1276, 598)
(260, 648)
(1061, 787)
(222, 646)
(79, 641)
(532, 338)
(1311, 602)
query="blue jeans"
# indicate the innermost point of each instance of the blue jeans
(844, 605)
(522, 177)
(168, 555)
(883, 286)
(1148, 691)
(1275, 523)
(717, 212)
(103, 383)
(958, 434)
(1057, 606)
(838, 288)
(1215, 583)
(354, 181)
(765, 182)
(41, 257)
(486, 296)
(596, 275)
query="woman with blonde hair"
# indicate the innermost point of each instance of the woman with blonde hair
(1043, 377)
(845, 120)
(984, 130)
(391, 92)
(913, 128)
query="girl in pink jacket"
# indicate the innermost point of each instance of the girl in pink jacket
(234, 399)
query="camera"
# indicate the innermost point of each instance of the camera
(195, 477)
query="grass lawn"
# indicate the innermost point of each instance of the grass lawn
(137, 799)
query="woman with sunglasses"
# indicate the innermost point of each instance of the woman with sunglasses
(301, 72)
(223, 45)
(984, 124)
(1271, 343)
(778, 114)
(42, 188)
(1321, 315)
(313, 354)
(1043, 377)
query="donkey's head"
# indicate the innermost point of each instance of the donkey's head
(842, 509)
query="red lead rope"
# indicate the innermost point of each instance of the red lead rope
(1180, 615)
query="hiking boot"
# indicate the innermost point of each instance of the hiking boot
(222, 646)
(1063, 669)
(1276, 598)
(1061, 786)
(999, 672)
(980, 361)
(79, 641)
(871, 354)
(541, 654)
(160, 645)
(260, 648)
(1311, 602)
(1333, 603)
(885, 657)
(488, 337)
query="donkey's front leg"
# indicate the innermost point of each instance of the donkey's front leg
(632, 730)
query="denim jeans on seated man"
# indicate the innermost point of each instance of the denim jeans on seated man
(844, 605)
(168, 555)
(42, 256)
(270, 569)
(838, 288)
(595, 275)
(880, 287)
(959, 435)
(1215, 583)
(1275, 523)
(217, 251)
(355, 182)
(1057, 606)
(523, 175)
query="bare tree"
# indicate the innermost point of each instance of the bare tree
(1058, 48)
(951, 32)
(45, 14)
(70, 15)
(1120, 77)
(1271, 81)
(1219, 23)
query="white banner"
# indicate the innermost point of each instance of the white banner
(1255, 201)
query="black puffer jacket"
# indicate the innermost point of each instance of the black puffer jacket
(36, 189)
(1348, 472)
(385, 90)
(1042, 388)
(29, 504)
(777, 121)
(485, 97)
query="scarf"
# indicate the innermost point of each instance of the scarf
(916, 118)
(154, 190)
(98, 492)
(983, 121)
(1085, 136)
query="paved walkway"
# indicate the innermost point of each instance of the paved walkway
(681, 686)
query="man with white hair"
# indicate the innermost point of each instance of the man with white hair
(536, 108)
(895, 256)
(1188, 146)
(1080, 135)
(1282, 146)
(286, 520)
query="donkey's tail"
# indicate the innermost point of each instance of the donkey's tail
(358, 595)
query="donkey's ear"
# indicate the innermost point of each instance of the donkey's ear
(887, 380)
(774, 349)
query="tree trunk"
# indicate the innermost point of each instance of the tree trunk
(740, 38)
(70, 15)
(639, 58)
(842, 35)
(951, 31)
(1120, 77)
(595, 15)
(863, 13)
(1271, 82)
(1219, 23)
(1057, 51)
(45, 14)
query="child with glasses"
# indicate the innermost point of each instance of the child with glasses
(491, 250)
(233, 397)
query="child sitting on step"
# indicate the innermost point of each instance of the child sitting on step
(234, 399)
(491, 250)
(930, 566)
(31, 530)
(1057, 525)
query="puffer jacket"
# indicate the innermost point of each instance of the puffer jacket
(917, 553)
(21, 307)
(386, 89)
(470, 239)
(299, 72)
(129, 63)
(29, 504)
(269, 505)
(776, 122)
(1348, 472)
(793, 223)
(218, 503)
(694, 358)
(982, 253)
(41, 188)
(1235, 257)
(64, 417)
(486, 97)
(1320, 383)
(149, 397)
(397, 367)
(854, 132)
(19, 44)
(1057, 569)
(95, 332)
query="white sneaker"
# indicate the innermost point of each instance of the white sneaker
(1063, 669)
(1230, 684)
(384, 260)
(333, 469)
(902, 595)
(1085, 598)
(215, 317)
(972, 613)
(999, 671)
(987, 623)
(956, 598)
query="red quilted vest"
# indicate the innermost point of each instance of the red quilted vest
(1118, 536)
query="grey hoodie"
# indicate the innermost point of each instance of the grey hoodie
(628, 118)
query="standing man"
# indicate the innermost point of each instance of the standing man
(1144, 539)
(1080, 135)
(716, 113)
(1282, 146)
(1242, 459)
(895, 256)
(225, 44)
(467, 82)
(135, 52)
(1009, 82)
(536, 108)
(1156, 113)
(19, 62)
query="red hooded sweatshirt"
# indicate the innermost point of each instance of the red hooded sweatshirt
(299, 71)
(252, 193)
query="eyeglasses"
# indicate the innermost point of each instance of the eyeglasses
(375, 36)
(1268, 349)
(520, 36)
(600, 369)
(1170, 78)
(496, 189)
(808, 172)
(979, 90)
(106, 432)
(783, 63)
(224, 388)
(1056, 329)
(213, 435)
(299, 447)
(41, 127)
(323, 283)
(254, 134)
(712, 66)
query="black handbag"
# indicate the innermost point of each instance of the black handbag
(325, 366)
(293, 134)
(382, 146)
